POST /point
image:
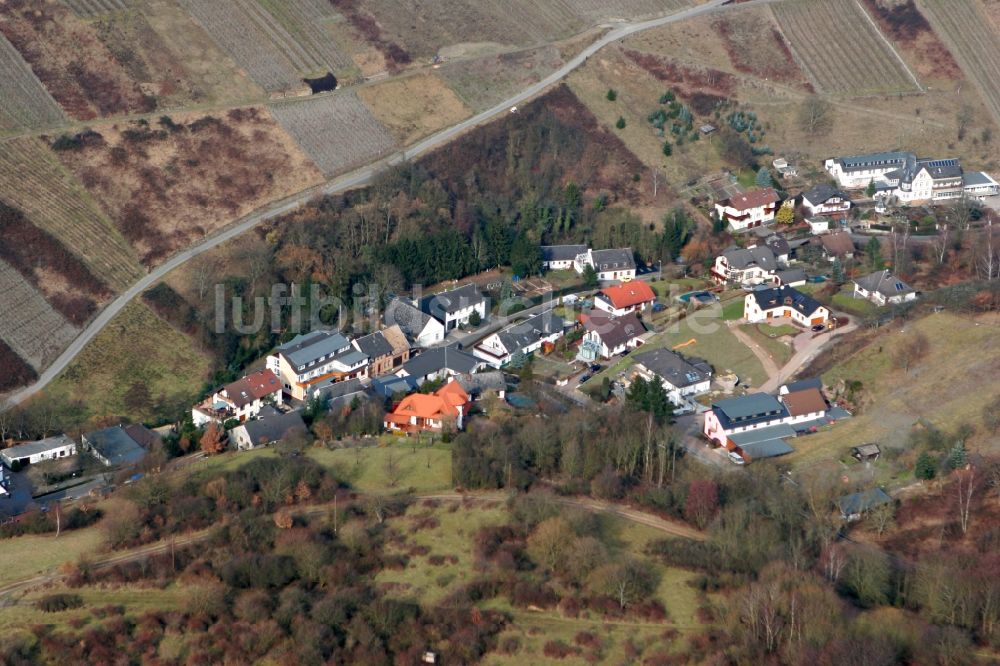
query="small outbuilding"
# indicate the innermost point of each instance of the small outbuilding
(32, 453)
(866, 452)
(855, 505)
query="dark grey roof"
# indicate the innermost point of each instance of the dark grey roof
(671, 366)
(748, 409)
(940, 169)
(115, 445)
(409, 318)
(884, 283)
(479, 382)
(388, 386)
(614, 331)
(450, 302)
(973, 178)
(331, 390)
(768, 448)
(530, 331)
(374, 345)
(562, 252)
(610, 260)
(434, 360)
(308, 347)
(743, 258)
(823, 192)
(786, 296)
(803, 384)
(867, 449)
(29, 449)
(273, 428)
(778, 244)
(863, 501)
(791, 275)
(862, 162)
(779, 431)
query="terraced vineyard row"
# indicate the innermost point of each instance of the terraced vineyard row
(337, 131)
(599, 10)
(241, 37)
(89, 8)
(967, 32)
(840, 48)
(302, 23)
(24, 101)
(38, 333)
(32, 180)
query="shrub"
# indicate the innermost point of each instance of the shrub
(54, 603)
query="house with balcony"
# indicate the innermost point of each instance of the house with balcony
(634, 296)
(754, 208)
(454, 308)
(752, 265)
(313, 358)
(446, 408)
(239, 400)
(608, 336)
(524, 338)
(825, 199)
(609, 264)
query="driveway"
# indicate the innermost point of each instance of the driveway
(804, 354)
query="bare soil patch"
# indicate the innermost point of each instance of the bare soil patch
(756, 46)
(415, 106)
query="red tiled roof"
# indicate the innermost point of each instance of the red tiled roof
(629, 294)
(753, 199)
(252, 387)
(443, 403)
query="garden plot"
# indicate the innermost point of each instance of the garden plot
(336, 130)
(841, 49)
(38, 333)
(32, 180)
(242, 37)
(24, 101)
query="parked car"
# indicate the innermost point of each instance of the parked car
(596, 367)
(736, 458)
(659, 307)
(819, 328)
(584, 378)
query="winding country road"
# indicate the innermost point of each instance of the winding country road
(354, 179)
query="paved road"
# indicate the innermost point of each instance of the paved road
(354, 179)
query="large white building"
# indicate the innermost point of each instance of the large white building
(905, 177)
(455, 308)
(609, 264)
(784, 303)
(315, 357)
(32, 453)
(752, 265)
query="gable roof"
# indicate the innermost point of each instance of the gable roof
(252, 387)
(884, 283)
(791, 275)
(821, 193)
(450, 302)
(861, 162)
(805, 401)
(439, 358)
(115, 445)
(671, 366)
(396, 338)
(274, 428)
(309, 347)
(444, 402)
(748, 410)
(628, 294)
(802, 384)
(410, 319)
(864, 501)
(33, 448)
(742, 258)
(518, 336)
(610, 260)
(785, 296)
(562, 252)
(939, 169)
(838, 243)
(614, 331)
(480, 382)
(374, 345)
(755, 198)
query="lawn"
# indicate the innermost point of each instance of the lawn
(424, 469)
(733, 310)
(27, 556)
(134, 367)
(844, 300)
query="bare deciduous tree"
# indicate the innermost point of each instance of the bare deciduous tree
(965, 490)
(815, 115)
(882, 517)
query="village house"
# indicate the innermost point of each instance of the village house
(825, 199)
(681, 378)
(340, 394)
(119, 445)
(311, 358)
(561, 257)
(905, 177)
(838, 245)
(240, 400)
(438, 363)
(524, 338)
(856, 505)
(269, 429)
(608, 336)
(805, 406)
(386, 349)
(882, 288)
(455, 308)
(784, 303)
(818, 225)
(753, 265)
(32, 453)
(624, 298)
(749, 209)
(609, 264)
(792, 277)
(752, 426)
(419, 327)
(445, 408)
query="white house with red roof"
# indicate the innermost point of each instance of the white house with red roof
(240, 400)
(749, 209)
(624, 298)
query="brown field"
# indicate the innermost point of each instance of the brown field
(32, 180)
(48, 265)
(967, 31)
(24, 101)
(172, 57)
(167, 185)
(16, 373)
(907, 27)
(38, 333)
(483, 82)
(756, 46)
(336, 130)
(75, 66)
(414, 107)
(245, 40)
(827, 36)
(700, 87)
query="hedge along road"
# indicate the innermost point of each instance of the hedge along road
(358, 178)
